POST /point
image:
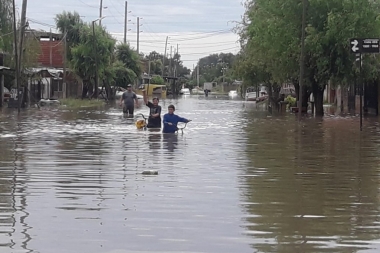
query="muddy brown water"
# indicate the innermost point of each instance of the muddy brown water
(238, 180)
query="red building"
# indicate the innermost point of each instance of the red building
(51, 44)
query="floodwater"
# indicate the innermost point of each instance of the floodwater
(237, 181)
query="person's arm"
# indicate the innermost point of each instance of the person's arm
(180, 119)
(136, 100)
(121, 99)
(145, 97)
(158, 112)
(166, 120)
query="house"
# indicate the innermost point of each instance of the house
(48, 83)
(52, 48)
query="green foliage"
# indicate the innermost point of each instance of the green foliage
(212, 67)
(118, 65)
(130, 58)
(6, 25)
(271, 38)
(90, 50)
(292, 102)
(157, 80)
(156, 65)
(119, 75)
(70, 23)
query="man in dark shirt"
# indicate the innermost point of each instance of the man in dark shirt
(154, 120)
(128, 98)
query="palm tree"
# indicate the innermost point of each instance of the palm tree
(70, 23)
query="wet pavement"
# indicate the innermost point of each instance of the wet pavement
(237, 180)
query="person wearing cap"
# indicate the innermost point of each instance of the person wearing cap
(128, 98)
(154, 120)
(171, 121)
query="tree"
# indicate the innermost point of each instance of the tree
(129, 58)
(6, 25)
(115, 65)
(156, 65)
(213, 66)
(84, 55)
(122, 75)
(270, 36)
(157, 80)
(70, 23)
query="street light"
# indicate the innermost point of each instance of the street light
(96, 56)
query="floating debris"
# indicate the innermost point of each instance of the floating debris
(150, 172)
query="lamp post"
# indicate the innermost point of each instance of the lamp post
(96, 56)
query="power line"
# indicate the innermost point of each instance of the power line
(88, 4)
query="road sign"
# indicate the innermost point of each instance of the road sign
(370, 46)
(365, 46)
(355, 45)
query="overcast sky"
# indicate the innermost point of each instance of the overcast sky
(199, 27)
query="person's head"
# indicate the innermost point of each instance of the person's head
(171, 109)
(155, 101)
(129, 87)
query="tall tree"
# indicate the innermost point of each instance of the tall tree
(86, 57)
(271, 41)
(70, 23)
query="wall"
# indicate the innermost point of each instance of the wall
(57, 56)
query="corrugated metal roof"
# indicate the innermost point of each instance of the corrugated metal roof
(52, 71)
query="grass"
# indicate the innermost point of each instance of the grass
(73, 103)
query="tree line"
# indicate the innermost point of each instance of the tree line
(270, 35)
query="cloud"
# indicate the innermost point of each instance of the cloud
(189, 23)
(191, 46)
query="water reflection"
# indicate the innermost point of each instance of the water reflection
(312, 188)
(154, 141)
(15, 231)
(170, 141)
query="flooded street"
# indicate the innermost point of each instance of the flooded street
(237, 181)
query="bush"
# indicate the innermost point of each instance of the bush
(292, 102)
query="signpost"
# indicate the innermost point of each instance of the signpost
(359, 47)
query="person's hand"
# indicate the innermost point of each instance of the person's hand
(144, 91)
(120, 104)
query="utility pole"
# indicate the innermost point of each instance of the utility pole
(100, 12)
(51, 48)
(163, 57)
(361, 91)
(198, 73)
(138, 34)
(170, 63)
(125, 22)
(177, 63)
(302, 60)
(64, 88)
(193, 73)
(96, 61)
(20, 49)
(17, 73)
